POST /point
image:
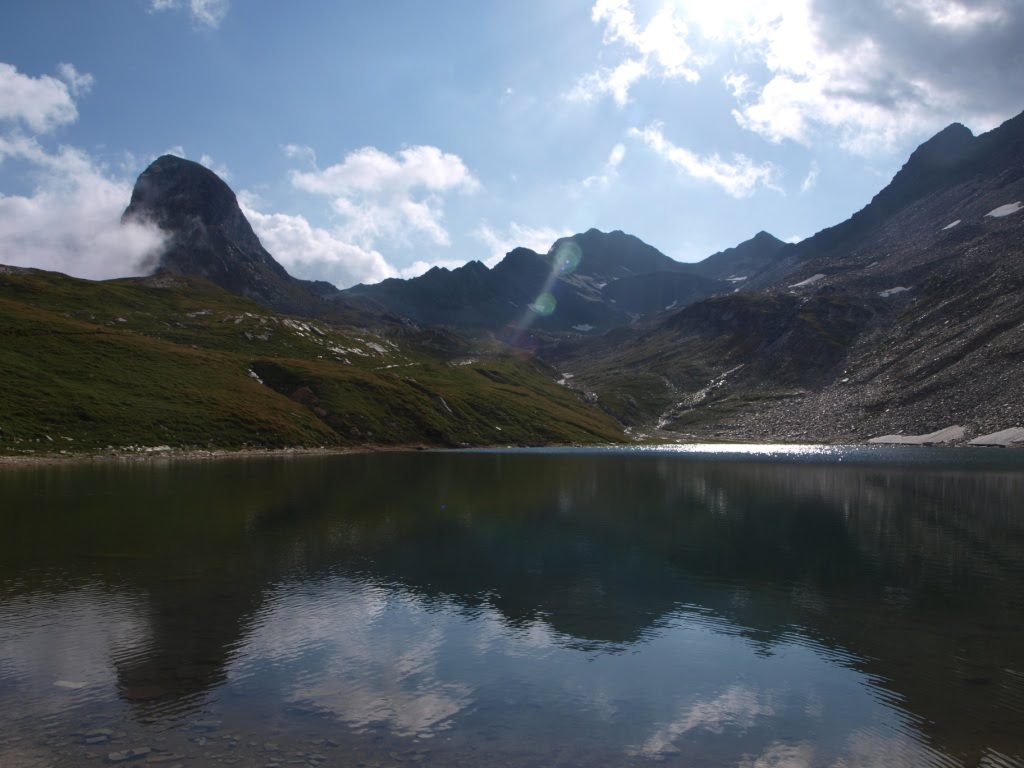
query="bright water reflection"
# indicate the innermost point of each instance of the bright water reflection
(519, 608)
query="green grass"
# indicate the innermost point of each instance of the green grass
(127, 363)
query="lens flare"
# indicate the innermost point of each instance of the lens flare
(564, 261)
(544, 305)
(567, 258)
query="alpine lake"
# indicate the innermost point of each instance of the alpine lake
(745, 606)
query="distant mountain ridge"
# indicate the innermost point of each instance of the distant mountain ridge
(591, 282)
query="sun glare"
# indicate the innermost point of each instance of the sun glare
(722, 19)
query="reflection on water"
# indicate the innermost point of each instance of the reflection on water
(830, 608)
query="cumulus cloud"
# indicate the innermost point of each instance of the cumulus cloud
(313, 252)
(856, 83)
(611, 168)
(42, 103)
(539, 239)
(71, 221)
(205, 13)
(658, 49)
(382, 197)
(738, 178)
(878, 72)
(870, 74)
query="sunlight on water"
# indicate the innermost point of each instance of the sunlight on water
(746, 449)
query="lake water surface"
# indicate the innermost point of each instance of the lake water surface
(691, 607)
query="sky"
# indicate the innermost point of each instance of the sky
(375, 140)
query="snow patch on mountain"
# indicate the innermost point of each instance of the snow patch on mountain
(1005, 210)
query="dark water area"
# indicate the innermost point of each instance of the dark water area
(684, 607)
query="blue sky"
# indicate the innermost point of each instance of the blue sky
(369, 140)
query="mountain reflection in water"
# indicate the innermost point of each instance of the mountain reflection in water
(653, 605)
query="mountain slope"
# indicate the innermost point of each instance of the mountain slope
(906, 317)
(174, 360)
(952, 177)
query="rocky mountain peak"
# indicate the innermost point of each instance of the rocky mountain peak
(187, 199)
(209, 236)
(745, 260)
(948, 147)
(927, 167)
(611, 255)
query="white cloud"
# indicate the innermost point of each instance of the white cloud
(659, 49)
(390, 197)
(219, 168)
(811, 179)
(738, 178)
(206, 13)
(954, 14)
(736, 707)
(365, 677)
(850, 88)
(313, 252)
(870, 75)
(300, 152)
(616, 81)
(737, 83)
(875, 73)
(80, 83)
(611, 168)
(71, 221)
(782, 755)
(539, 239)
(209, 12)
(40, 103)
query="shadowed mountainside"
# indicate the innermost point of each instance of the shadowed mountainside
(904, 318)
(588, 283)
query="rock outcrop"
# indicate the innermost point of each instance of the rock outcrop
(209, 236)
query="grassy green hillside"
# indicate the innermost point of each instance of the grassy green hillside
(176, 361)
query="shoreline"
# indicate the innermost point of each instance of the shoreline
(190, 454)
(14, 461)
